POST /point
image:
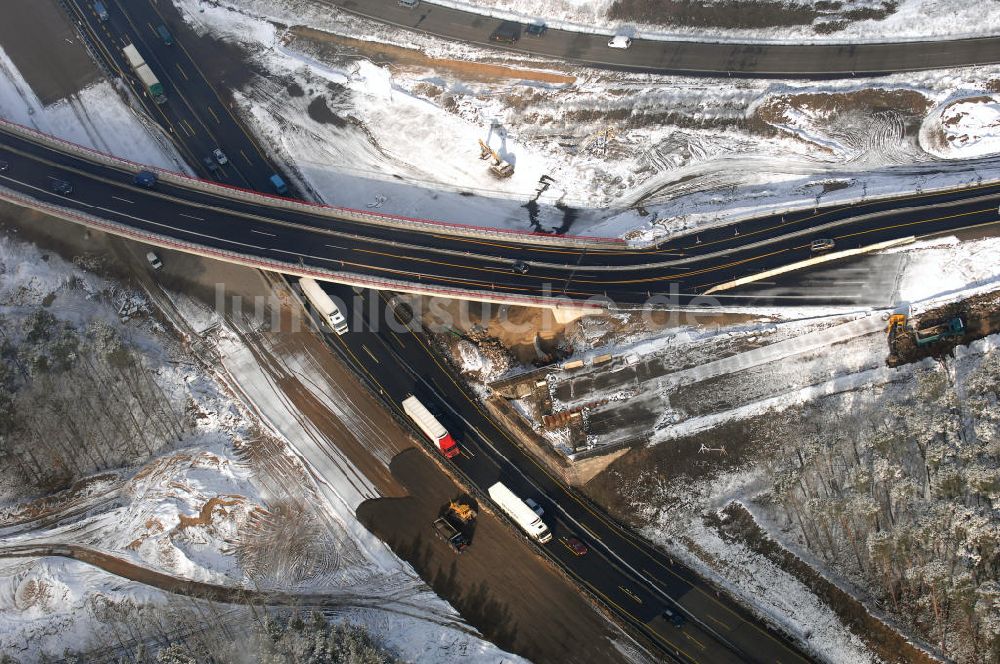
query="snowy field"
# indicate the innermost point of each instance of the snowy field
(195, 504)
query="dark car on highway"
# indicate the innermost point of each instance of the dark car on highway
(575, 545)
(145, 179)
(508, 33)
(210, 164)
(536, 29)
(60, 186)
(674, 617)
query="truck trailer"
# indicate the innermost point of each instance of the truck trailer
(928, 334)
(450, 534)
(145, 74)
(323, 305)
(520, 513)
(430, 426)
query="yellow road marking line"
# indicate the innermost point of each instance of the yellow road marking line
(691, 638)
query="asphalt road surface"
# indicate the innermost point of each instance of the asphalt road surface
(748, 60)
(196, 114)
(626, 574)
(197, 117)
(675, 272)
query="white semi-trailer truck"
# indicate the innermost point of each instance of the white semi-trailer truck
(519, 511)
(430, 426)
(324, 305)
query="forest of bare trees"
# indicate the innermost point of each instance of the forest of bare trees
(901, 493)
(76, 401)
(196, 631)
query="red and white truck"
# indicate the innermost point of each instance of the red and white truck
(430, 426)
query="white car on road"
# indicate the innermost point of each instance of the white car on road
(620, 41)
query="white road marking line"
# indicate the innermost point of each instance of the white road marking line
(370, 354)
(190, 216)
(253, 230)
(123, 200)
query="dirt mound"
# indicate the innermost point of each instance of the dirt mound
(980, 314)
(828, 106)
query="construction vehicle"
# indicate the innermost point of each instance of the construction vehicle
(450, 534)
(430, 426)
(145, 74)
(897, 324)
(953, 327)
(498, 167)
(462, 512)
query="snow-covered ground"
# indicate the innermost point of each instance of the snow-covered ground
(195, 508)
(909, 20)
(965, 127)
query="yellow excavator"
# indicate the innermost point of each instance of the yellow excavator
(897, 324)
(463, 512)
(498, 167)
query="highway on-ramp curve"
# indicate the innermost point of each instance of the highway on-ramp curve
(750, 60)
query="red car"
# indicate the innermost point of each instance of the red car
(576, 546)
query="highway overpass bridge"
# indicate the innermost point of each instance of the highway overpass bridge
(388, 252)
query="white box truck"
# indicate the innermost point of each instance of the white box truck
(323, 305)
(521, 514)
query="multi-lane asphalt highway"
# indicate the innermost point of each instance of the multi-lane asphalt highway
(307, 239)
(627, 575)
(750, 59)
(197, 116)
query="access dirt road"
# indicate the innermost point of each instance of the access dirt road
(38, 37)
(498, 583)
